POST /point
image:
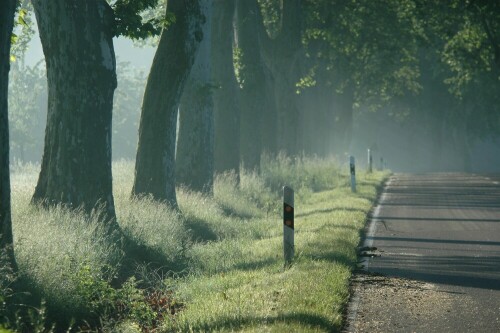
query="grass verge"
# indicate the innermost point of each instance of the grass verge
(222, 254)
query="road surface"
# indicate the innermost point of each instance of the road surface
(437, 240)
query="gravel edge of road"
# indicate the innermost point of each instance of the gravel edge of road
(350, 310)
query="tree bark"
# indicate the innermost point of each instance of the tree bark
(343, 120)
(253, 84)
(282, 55)
(7, 11)
(226, 102)
(318, 120)
(195, 143)
(155, 161)
(77, 43)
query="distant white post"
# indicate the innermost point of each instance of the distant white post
(352, 165)
(370, 161)
(288, 225)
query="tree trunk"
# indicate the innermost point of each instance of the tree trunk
(318, 134)
(282, 55)
(195, 144)
(269, 122)
(7, 10)
(465, 140)
(343, 120)
(226, 103)
(253, 84)
(77, 43)
(155, 161)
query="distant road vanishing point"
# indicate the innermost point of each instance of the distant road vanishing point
(434, 262)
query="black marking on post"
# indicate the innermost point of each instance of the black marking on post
(288, 216)
(370, 161)
(288, 225)
(352, 163)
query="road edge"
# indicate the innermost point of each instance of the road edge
(366, 241)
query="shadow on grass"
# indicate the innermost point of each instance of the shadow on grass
(200, 230)
(331, 252)
(249, 266)
(330, 210)
(231, 212)
(137, 254)
(329, 227)
(332, 256)
(33, 310)
(308, 320)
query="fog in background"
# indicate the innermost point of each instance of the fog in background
(405, 145)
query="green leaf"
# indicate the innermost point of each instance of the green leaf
(20, 20)
(13, 38)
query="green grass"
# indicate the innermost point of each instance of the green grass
(221, 256)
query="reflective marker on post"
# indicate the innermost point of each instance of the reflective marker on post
(353, 173)
(288, 225)
(370, 161)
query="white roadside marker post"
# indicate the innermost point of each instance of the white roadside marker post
(288, 225)
(352, 164)
(370, 161)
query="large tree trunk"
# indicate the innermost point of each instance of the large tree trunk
(253, 84)
(7, 10)
(283, 56)
(226, 103)
(342, 120)
(77, 42)
(155, 162)
(195, 143)
(318, 120)
(269, 122)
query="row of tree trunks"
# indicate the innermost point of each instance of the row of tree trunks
(195, 143)
(155, 161)
(76, 163)
(7, 10)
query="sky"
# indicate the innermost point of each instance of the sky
(125, 51)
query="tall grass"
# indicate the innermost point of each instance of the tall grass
(221, 255)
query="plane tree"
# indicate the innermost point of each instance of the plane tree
(77, 43)
(252, 82)
(195, 142)
(226, 98)
(175, 55)
(282, 53)
(7, 12)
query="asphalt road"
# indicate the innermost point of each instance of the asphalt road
(441, 233)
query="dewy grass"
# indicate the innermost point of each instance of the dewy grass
(229, 246)
(239, 284)
(54, 244)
